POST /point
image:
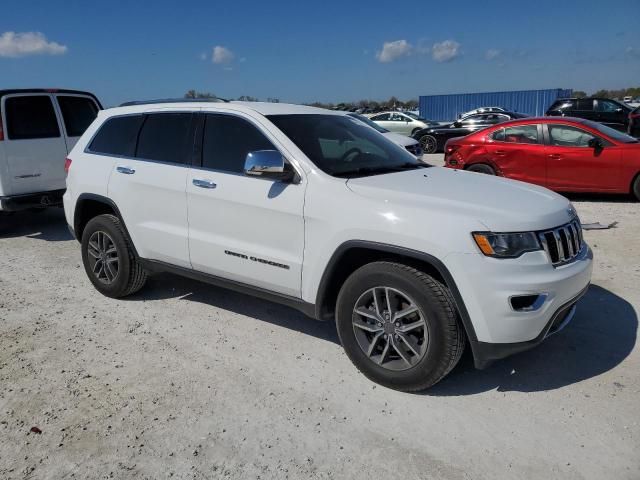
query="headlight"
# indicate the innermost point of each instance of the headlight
(506, 245)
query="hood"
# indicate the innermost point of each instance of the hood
(401, 140)
(501, 205)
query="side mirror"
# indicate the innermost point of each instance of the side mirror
(266, 163)
(457, 124)
(596, 144)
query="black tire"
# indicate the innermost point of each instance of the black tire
(429, 143)
(130, 276)
(446, 338)
(635, 188)
(482, 168)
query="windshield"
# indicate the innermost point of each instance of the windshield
(342, 146)
(414, 116)
(369, 122)
(611, 132)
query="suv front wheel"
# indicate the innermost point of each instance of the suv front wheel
(109, 259)
(399, 326)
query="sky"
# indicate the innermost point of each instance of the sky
(305, 51)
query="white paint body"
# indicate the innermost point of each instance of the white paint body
(432, 210)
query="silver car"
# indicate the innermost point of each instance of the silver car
(401, 122)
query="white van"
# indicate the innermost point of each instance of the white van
(38, 127)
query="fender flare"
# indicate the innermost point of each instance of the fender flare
(405, 252)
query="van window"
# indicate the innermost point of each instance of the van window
(227, 140)
(164, 138)
(30, 117)
(77, 113)
(118, 136)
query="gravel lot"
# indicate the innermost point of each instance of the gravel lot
(186, 380)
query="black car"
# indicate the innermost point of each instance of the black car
(433, 139)
(634, 123)
(602, 110)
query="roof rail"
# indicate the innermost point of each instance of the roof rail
(173, 100)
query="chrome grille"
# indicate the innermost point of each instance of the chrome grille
(562, 244)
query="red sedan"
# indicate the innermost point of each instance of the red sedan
(563, 154)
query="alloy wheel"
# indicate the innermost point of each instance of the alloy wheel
(390, 328)
(428, 144)
(103, 257)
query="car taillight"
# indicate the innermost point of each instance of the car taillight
(67, 165)
(634, 115)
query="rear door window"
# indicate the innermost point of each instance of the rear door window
(521, 134)
(77, 113)
(118, 136)
(31, 117)
(584, 104)
(165, 138)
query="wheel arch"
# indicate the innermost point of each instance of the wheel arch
(635, 178)
(353, 254)
(90, 205)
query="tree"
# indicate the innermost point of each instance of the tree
(579, 94)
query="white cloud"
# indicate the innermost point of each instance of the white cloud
(445, 51)
(392, 51)
(492, 54)
(21, 44)
(633, 52)
(203, 56)
(222, 55)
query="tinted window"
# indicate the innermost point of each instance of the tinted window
(564, 105)
(227, 140)
(77, 113)
(118, 136)
(566, 136)
(520, 134)
(498, 135)
(381, 118)
(343, 147)
(611, 132)
(31, 117)
(584, 104)
(165, 138)
(607, 106)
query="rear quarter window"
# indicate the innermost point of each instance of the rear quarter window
(117, 136)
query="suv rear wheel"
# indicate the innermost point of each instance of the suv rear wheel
(109, 259)
(399, 326)
(481, 168)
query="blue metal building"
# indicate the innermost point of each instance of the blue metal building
(445, 108)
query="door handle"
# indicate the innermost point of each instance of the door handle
(125, 170)
(500, 152)
(204, 183)
(555, 156)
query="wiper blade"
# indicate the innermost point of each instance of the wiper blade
(381, 169)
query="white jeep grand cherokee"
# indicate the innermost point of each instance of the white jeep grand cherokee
(313, 209)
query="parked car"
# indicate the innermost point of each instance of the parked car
(400, 122)
(411, 144)
(38, 127)
(563, 154)
(634, 123)
(312, 209)
(432, 139)
(603, 110)
(482, 110)
(627, 99)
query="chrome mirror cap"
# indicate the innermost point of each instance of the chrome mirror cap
(264, 162)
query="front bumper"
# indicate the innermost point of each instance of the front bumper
(16, 203)
(487, 353)
(487, 286)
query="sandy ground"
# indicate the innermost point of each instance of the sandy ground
(185, 380)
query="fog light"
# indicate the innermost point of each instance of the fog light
(527, 303)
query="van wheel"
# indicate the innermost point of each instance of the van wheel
(109, 259)
(636, 187)
(482, 168)
(399, 326)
